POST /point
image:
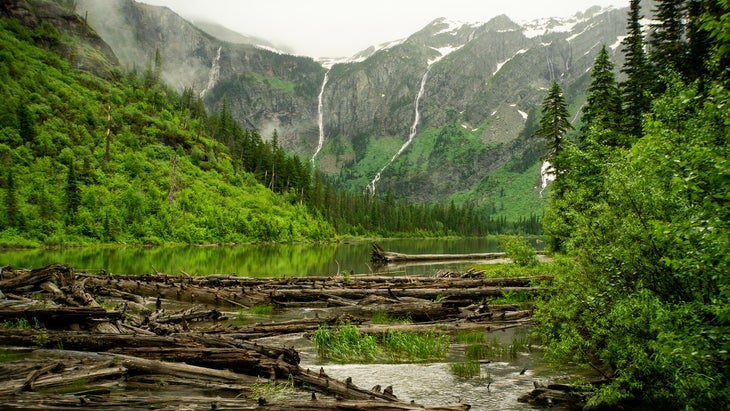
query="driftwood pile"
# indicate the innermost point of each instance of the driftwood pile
(152, 352)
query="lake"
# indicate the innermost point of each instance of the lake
(254, 260)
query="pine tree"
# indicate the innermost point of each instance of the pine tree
(636, 68)
(668, 43)
(73, 195)
(11, 204)
(26, 127)
(603, 108)
(158, 66)
(696, 62)
(554, 122)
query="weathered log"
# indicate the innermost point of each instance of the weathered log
(423, 311)
(146, 401)
(139, 365)
(422, 293)
(233, 359)
(445, 327)
(261, 330)
(61, 317)
(379, 255)
(60, 274)
(180, 290)
(195, 313)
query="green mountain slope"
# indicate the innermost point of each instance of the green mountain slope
(123, 159)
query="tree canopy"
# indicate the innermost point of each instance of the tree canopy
(643, 296)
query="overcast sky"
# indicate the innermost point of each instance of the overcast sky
(341, 28)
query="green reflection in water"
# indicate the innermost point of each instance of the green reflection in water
(255, 260)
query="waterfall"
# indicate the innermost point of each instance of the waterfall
(547, 175)
(371, 186)
(215, 71)
(320, 117)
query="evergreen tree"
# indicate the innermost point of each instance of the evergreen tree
(26, 126)
(11, 204)
(696, 63)
(603, 108)
(636, 69)
(554, 122)
(158, 66)
(668, 43)
(73, 195)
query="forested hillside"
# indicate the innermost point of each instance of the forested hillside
(94, 154)
(641, 203)
(122, 160)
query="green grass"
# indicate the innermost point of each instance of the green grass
(507, 270)
(270, 390)
(465, 369)
(480, 351)
(346, 344)
(266, 309)
(18, 324)
(469, 337)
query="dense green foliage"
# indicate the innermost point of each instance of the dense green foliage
(127, 160)
(645, 300)
(518, 250)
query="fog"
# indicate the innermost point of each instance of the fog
(336, 28)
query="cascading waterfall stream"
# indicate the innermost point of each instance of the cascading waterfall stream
(215, 71)
(411, 136)
(320, 118)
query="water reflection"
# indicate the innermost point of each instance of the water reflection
(270, 260)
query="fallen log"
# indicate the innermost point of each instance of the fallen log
(379, 255)
(60, 274)
(476, 293)
(60, 317)
(159, 401)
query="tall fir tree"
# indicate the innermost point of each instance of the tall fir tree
(637, 70)
(26, 125)
(73, 195)
(555, 121)
(603, 108)
(668, 41)
(11, 203)
(696, 60)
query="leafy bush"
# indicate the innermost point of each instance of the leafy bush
(518, 250)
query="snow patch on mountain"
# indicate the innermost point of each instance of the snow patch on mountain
(619, 40)
(545, 26)
(499, 65)
(443, 51)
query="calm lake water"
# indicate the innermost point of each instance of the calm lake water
(269, 260)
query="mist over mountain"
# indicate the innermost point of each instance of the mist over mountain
(444, 114)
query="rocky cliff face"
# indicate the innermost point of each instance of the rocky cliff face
(91, 53)
(477, 87)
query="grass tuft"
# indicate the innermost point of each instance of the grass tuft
(346, 344)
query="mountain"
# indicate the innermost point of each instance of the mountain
(225, 34)
(444, 114)
(94, 155)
